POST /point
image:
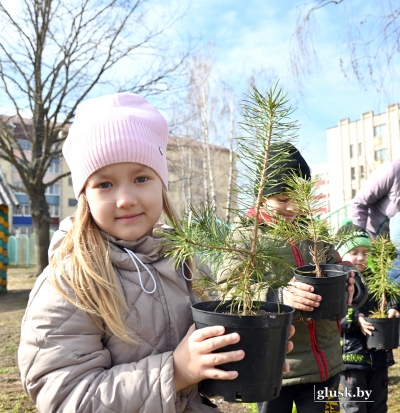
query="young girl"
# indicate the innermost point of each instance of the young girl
(108, 326)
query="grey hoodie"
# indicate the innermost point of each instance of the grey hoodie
(378, 200)
(69, 365)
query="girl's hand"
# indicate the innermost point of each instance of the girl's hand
(393, 313)
(194, 359)
(365, 326)
(300, 296)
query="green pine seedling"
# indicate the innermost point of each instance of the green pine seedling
(307, 225)
(382, 288)
(252, 254)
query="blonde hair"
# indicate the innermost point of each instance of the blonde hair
(91, 274)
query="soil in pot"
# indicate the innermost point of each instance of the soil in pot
(263, 339)
(332, 287)
(386, 333)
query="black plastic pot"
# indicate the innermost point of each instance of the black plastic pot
(263, 339)
(386, 333)
(332, 287)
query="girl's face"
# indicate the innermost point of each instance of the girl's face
(280, 204)
(125, 199)
(358, 256)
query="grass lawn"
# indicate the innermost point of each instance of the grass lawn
(12, 306)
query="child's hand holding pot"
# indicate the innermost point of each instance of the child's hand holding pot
(365, 326)
(195, 361)
(300, 296)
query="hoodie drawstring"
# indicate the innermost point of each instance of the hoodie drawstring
(183, 272)
(133, 257)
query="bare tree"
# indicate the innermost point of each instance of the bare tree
(54, 54)
(372, 44)
(229, 109)
(204, 124)
(180, 159)
(204, 105)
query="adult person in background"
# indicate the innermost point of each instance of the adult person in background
(378, 200)
(394, 272)
(376, 207)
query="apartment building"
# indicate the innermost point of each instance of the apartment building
(323, 192)
(20, 216)
(356, 148)
(186, 164)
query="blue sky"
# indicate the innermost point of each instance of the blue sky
(255, 35)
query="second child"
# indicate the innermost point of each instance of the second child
(316, 360)
(366, 369)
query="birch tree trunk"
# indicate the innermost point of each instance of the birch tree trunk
(231, 156)
(201, 80)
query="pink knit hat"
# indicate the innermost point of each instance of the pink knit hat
(122, 127)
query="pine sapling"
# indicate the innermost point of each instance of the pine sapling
(383, 289)
(202, 234)
(307, 225)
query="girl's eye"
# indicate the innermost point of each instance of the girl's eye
(141, 179)
(105, 185)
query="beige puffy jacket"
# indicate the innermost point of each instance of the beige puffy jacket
(69, 365)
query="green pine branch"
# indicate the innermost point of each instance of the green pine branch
(307, 226)
(256, 261)
(383, 288)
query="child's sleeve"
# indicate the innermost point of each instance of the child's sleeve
(360, 289)
(65, 367)
(394, 304)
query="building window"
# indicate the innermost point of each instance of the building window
(23, 231)
(23, 210)
(198, 163)
(353, 173)
(25, 144)
(72, 202)
(351, 151)
(53, 190)
(19, 187)
(362, 172)
(359, 149)
(54, 210)
(70, 181)
(54, 167)
(380, 130)
(382, 155)
(353, 193)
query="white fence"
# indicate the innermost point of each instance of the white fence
(21, 250)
